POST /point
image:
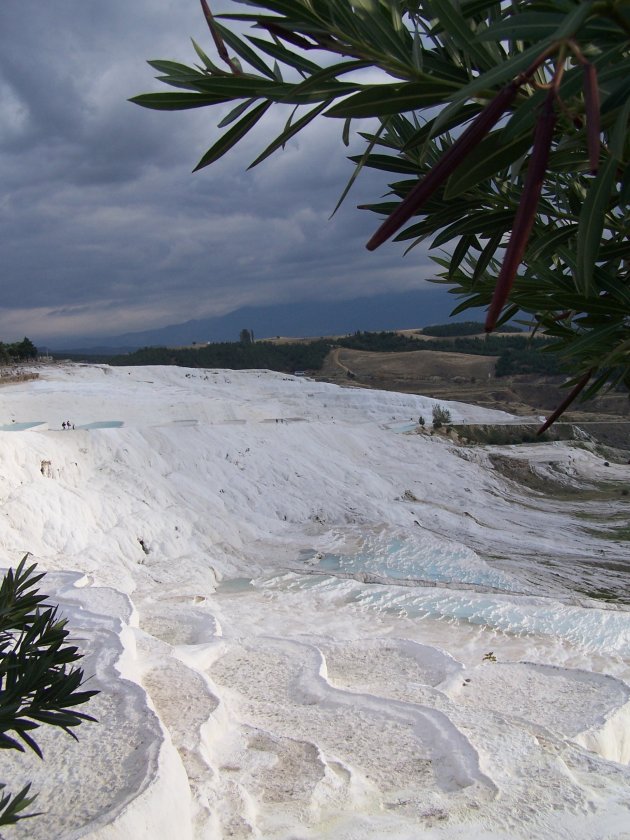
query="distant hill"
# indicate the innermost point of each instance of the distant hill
(404, 310)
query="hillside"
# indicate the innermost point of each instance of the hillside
(445, 375)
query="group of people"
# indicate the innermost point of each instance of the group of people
(67, 425)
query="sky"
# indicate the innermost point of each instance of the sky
(105, 230)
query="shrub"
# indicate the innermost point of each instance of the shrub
(441, 415)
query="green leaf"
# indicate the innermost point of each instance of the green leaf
(289, 132)
(527, 26)
(204, 58)
(177, 101)
(345, 134)
(387, 163)
(486, 256)
(242, 49)
(489, 157)
(461, 249)
(374, 27)
(595, 206)
(231, 137)
(360, 163)
(423, 134)
(500, 75)
(574, 20)
(174, 69)
(235, 113)
(326, 74)
(484, 225)
(620, 133)
(546, 245)
(240, 86)
(383, 100)
(457, 27)
(281, 53)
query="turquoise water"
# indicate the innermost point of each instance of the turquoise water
(590, 628)
(20, 427)
(234, 586)
(404, 427)
(406, 559)
(102, 424)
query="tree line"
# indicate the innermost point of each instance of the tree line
(284, 358)
(516, 354)
(19, 351)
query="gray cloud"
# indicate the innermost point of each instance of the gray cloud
(105, 229)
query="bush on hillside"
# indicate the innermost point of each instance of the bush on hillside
(441, 415)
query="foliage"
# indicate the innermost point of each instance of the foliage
(510, 435)
(234, 355)
(381, 342)
(456, 328)
(18, 351)
(38, 682)
(441, 415)
(526, 360)
(503, 126)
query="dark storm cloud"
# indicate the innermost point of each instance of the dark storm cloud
(105, 230)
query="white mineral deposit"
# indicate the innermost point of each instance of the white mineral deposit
(336, 627)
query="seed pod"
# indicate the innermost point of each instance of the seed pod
(591, 106)
(449, 161)
(526, 212)
(218, 40)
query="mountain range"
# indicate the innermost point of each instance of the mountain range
(404, 310)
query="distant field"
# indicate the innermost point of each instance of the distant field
(470, 379)
(416, 366)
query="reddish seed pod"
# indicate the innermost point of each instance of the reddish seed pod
(218, 40)
(449, 161)
(526, 212)
(582, 383)
(591, 106)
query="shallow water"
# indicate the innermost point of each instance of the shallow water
(425, 577)
(20, 427)
(394, 558)
(102, 424)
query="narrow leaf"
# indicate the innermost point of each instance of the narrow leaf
(489, 157)
(235, 113)
(177, 101)
(591, 225)
(453, 22)
(231, 137)
(383, 126)
(291, 131)
(381, 100)
(245, 51)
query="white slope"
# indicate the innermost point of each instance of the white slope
(305, 623)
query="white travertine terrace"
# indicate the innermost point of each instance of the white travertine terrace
(305, 623)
